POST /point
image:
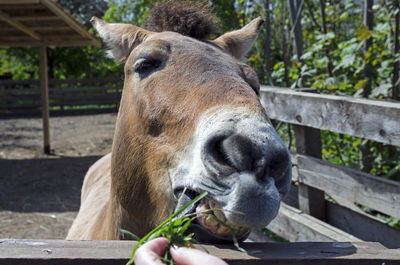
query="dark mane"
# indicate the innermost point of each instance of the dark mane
(187, 18)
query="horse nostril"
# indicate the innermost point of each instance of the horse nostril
(214, 157)
(240, 152)
(237, 153)
(278, 162)
(217, 152)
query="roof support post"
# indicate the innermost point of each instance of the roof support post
(44, 85)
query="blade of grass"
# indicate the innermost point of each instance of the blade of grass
(146, 237)
(135, 237)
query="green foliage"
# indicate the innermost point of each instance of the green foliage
(19, 63)
(342, 47)
(226, 12)
(172, 229)
(128, 11)
(342, 50)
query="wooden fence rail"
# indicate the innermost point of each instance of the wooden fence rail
(370, 119)
(354, 223)
(69, 96)
(45, 252)
(347, 186)
(314, 179)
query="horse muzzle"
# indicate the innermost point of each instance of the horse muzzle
(238, 158)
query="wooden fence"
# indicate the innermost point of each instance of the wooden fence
(306, 215)
(61, 252)
(66, 97)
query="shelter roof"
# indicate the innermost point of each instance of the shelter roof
(41, 23)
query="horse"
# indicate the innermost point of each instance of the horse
(190, 121)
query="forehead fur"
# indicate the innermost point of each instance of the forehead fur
(187, 49)
(187, 18)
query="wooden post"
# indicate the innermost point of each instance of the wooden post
(44, 85)
(311, 200)
(308, 141)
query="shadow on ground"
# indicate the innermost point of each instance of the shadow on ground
(42, 184)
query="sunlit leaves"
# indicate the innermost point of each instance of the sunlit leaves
(360, 84)
(363, 33)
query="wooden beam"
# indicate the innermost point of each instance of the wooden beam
(73, 81)
(362, 226)
(44, 84)
(371, 119)
(37, 18)
(311, 200)
(18, 2)
(58, 43)
(19, 25)
(51, 28)
(295, 225)
(44, 252)
(67, 18)
(359, 224)
(348, 186)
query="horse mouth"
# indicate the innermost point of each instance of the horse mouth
(211, 225)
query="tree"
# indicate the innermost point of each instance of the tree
(396, 51)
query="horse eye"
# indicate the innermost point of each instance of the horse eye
(145, 65)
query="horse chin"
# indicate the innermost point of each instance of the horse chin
(211, 225)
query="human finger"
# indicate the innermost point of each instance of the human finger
(189, 256)
(150, 253)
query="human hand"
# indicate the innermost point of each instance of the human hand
(190, 256)
(150, 254)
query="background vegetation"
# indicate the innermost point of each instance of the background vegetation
(333, 46)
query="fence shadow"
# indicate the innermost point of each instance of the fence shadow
(42, 184)
(291, 253)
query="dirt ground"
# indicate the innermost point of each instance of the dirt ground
(40, 194)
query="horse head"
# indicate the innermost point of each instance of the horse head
(190, 119)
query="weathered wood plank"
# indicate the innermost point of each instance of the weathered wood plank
(362, 226)
(31, 97)
(117, 252)
(62, 81)
(17, 2)
(4, 16)
(347, 186)
(69, 112)
(295, 225)
(70, 97)
(44, 84)
(16, 92)
(311, 200)
(371, 119)
(70, 101)
(87, 80)
(86, 101)
(21, 106)
(71, 21)
(359, 224)
(85, 89)
(9, 82)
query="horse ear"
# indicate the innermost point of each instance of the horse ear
(121, 38)
(239, 42)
